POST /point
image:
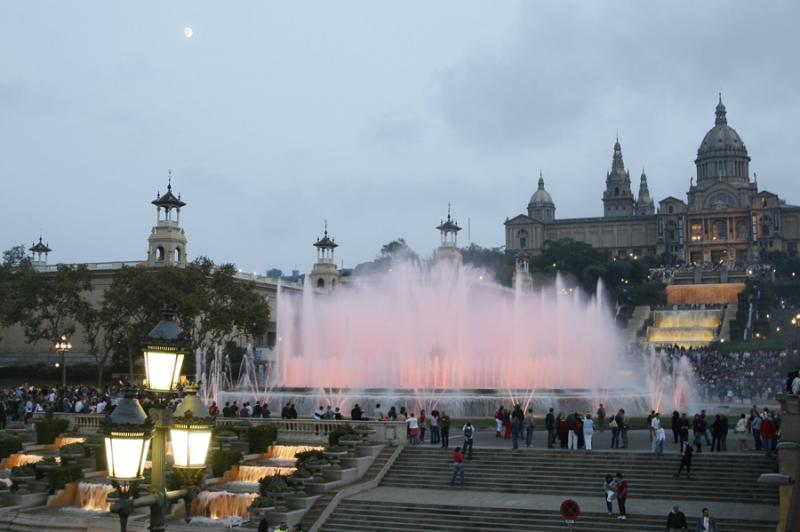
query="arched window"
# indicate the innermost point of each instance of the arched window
(320, 283)
(160, 254)
(177, 255)
(616, 191)
(522, 234)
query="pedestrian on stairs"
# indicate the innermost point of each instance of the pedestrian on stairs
(550, 424)
(528, 426)
(610, 490)
(498, 419)
(622, 495)
(469, 432)
(588, 431)
(686, 461)
(676, 521)
(458, 466)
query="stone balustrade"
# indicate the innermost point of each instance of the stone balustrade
(311, 431)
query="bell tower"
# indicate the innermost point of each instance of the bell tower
(448, 229)
(167, 241)
(324, 274)
(618, 198)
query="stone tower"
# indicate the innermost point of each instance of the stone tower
(324, 274)
(618, 198)
(448, 249)
(39, 252)
(167, 241)
(644, 203)
(541, 206)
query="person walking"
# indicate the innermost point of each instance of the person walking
(413, 428)
(458, 465)
(434, 427)
(655, 424)
(498, 419)
(588, 430)
(661, 435)
(528, 426)
(623, 428)
(683, 429)
(755, 425)
(622, 495)
(517, 419)
(572, 421)
(469, 433)
(444, 428)
(676, 426)
(686, 461)
(716, 434)
(676, 521)
(697, 433)
(706, 523)
(601, 418)
(550, 425)
(614, 432)
(610, 490)
(741, 432)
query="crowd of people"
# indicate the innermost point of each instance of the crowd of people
(22, 402)
(737, 376)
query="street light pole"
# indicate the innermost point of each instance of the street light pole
(62, 346)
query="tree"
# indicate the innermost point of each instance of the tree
(492, 259)
(396, 250)
(15, 271)
(52, 301)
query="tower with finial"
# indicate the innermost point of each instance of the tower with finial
(644, 202)
(324, 274)
(39, 252)
(448, 248)
(541, 206)
(617, 197)
(167, 240)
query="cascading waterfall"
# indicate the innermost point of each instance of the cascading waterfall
(92, 496)
(255, 473)
(222, 504)
(288, 452)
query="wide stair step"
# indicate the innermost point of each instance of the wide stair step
(357, 516)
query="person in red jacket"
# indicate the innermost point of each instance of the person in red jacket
(768, 434)
(622, 495)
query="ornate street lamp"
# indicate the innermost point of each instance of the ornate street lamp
(190, 433)
(165, 348)
(63, 346)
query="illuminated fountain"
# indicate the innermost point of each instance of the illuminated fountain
(442, 335)
(254, 473)
(90, 497)
(289, 452)
(21, 459)
(687, 328)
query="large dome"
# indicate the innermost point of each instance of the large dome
(722, 155)
(541, 196)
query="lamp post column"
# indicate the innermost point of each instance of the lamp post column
(158, 512)
(63, 369)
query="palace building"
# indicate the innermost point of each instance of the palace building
(725, 218)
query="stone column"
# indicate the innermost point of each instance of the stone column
(788, 462)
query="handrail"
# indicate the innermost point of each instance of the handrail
(354, 489)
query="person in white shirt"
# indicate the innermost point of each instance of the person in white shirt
(101, 407)
(588, 430)
(796, 385)
(661, 435)
(413, 428)
(706, 523)
(78, 406)
(655, 424)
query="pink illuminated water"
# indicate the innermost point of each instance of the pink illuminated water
(446, 326)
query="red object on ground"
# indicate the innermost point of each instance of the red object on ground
(570, 510)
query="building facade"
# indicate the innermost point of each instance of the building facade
(724, 220)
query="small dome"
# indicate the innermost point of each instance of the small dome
(541, 196)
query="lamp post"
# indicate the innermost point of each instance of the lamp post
(63, 346)
(130, 432)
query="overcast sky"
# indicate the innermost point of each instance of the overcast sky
(275, 116)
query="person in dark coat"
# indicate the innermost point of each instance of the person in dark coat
(683, 429)
(686, 461)
(355, 413)
(550, 424)
(676, 520)
(716, 434)
(725, 430)
(676, 426)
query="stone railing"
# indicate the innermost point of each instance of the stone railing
(289, 430)
(317, 431)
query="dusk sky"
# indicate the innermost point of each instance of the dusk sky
(373, 115)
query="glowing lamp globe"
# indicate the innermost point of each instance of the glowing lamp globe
(191, 432)
(165, 348)
(127, 437)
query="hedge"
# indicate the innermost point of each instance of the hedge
(9, 446)
(60, 477)
(224, 459)
(342, 431)
(48, 429)
(260, 437)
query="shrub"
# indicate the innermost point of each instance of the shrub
(23, 471)
(60, 477)
(263, 501)
(308, 457)
(275, 484)
(9, 446)
(260, 437)
(224, 459)
(339, 432)
(74, 449)
(47, 430)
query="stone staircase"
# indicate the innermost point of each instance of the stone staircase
(358, 516)
(717, 477)
(320, 504)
